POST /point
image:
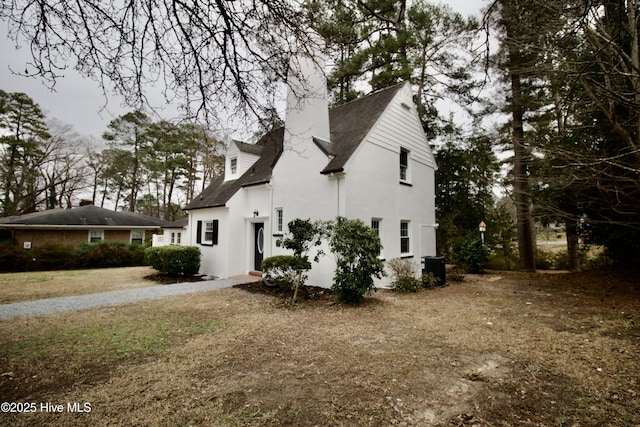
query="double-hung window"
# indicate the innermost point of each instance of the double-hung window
(279, 221)
(96, 236)
(207, 232)
(375, 225)
(405, 243)
(404, 165)
(175, 238)
(234, 165)
(137, 236)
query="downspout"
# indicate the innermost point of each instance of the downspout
(337, 178)
(271, 211)
(338, 196)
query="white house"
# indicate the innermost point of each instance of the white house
(367, 159)
(174, 233)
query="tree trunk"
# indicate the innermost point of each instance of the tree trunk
(522, 197)
(573, 247)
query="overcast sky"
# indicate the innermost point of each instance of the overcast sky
(79, 101)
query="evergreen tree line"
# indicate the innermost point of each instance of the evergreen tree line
(561, 79)
(148, 167)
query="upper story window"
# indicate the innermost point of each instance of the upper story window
(404, 164)
(233, 163)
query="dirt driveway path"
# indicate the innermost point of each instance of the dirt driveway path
(81, 302)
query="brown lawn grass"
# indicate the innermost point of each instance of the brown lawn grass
(495, 350)
(16, 287)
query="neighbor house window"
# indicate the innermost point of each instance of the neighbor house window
(279, 221)
(207, 232)
(405, 246)
(96, 236)
(404, 165)
(234, 165)
(137, 236)
(178, 238)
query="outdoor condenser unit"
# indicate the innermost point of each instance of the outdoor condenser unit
(436, 266)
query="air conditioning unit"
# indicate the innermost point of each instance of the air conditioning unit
(436, 266)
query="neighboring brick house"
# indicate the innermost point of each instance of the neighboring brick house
(76, 226)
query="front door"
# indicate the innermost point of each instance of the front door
(258, 251)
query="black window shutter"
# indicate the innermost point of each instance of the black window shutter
(215, 232)
(199, 232)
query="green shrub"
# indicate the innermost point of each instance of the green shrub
(283, 270)
(499, 261)
(136, 254)
(544, 260)
(455, 274)
(303, 235)
(356, 248)
(14, 258)
(174, 260)
(403, 275)
(407, 284)
(52, 256)
(429, 281)
(107, 254)
(470, 253)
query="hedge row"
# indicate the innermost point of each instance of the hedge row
(174, 260)
(62, 257)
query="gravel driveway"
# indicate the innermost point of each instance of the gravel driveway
(81, 302)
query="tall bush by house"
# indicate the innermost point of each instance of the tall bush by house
(174, 260)
(356, 248)
(303, 235)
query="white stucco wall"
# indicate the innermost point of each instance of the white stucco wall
(214, 260)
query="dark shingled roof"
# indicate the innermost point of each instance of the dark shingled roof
(84, 216)
(249, 148)
(349, 123)
(220, 191)
(178, 223)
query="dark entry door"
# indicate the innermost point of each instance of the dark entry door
(258, 251)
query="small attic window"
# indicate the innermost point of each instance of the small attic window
(405, 106)
(233, 162)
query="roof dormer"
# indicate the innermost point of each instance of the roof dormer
(240, 157)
